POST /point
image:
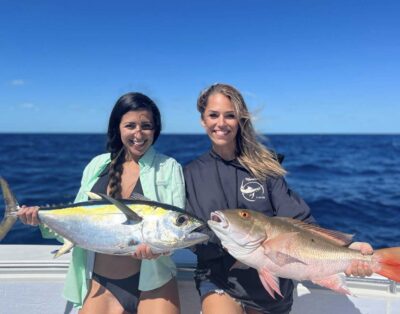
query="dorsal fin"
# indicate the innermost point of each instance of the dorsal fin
(131, 215)
(336, 237)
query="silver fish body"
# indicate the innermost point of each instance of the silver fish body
(112, 226)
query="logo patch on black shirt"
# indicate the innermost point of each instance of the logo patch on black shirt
(251, 189)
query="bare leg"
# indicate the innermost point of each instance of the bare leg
(220, 304)
(163, 300)
(100, 300)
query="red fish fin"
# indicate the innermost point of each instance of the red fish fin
(279, 249)
(279, 258)
(338, 238)
(389, 262)
(282, 259)
(270, 282)
(279, 243)
(334, 282)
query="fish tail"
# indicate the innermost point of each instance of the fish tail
(389, 262)
(12, 207)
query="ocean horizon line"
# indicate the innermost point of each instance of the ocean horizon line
(200, 134)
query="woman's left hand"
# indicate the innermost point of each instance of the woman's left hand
(143, 251)
(357, 267)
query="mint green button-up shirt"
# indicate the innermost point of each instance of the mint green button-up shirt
(162, 181)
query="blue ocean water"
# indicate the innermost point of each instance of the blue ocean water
(351, 182)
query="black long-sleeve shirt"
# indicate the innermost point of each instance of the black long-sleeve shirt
(215, 184)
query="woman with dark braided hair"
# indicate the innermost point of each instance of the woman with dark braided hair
(100, 283)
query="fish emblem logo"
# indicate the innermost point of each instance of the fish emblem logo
(251, 189)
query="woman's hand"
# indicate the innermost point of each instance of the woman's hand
(360, 268)
(143, 251)
(29, 215)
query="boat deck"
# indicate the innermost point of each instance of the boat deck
(31, 282)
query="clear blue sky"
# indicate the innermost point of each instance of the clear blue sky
(320, 66)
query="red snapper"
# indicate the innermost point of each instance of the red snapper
(289, 248)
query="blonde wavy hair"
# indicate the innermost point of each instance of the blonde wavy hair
(250, 152)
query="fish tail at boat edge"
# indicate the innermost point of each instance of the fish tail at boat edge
(389, 261)
(10, 210)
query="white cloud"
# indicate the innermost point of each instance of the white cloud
(27, 105)
(17, 82)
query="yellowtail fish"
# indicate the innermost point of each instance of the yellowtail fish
(111, 226)
(289, 248)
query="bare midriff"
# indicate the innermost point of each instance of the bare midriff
(116, 267)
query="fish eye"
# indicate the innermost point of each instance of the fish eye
(181, 219)
(244, 214)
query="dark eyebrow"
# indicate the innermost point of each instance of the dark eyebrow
(215, 111)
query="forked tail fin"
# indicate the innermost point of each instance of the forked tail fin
(389, 261)
(12, 207)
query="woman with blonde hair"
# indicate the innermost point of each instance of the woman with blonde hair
(239, 172)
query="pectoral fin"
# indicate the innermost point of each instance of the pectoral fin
(270, 282)
(278, 249)
(280, 242)
(282, 259)
(334, 282)
(67, 246)
(130, 215)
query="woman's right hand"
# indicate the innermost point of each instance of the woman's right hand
(143, 251)
(29, 215)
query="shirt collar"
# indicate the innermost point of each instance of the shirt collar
(146, 161)
(233, 162)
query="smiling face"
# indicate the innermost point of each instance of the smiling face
(137, 132)
(221, 124)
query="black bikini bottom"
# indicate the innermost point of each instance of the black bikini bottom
(125, 290)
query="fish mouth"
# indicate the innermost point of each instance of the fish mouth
(195, 237)
(218, 218)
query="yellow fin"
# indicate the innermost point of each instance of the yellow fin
(67, 246)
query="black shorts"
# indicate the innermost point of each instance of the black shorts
(125, 290)
(243, 285)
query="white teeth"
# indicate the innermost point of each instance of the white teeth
(219, 132)
(136, 142)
